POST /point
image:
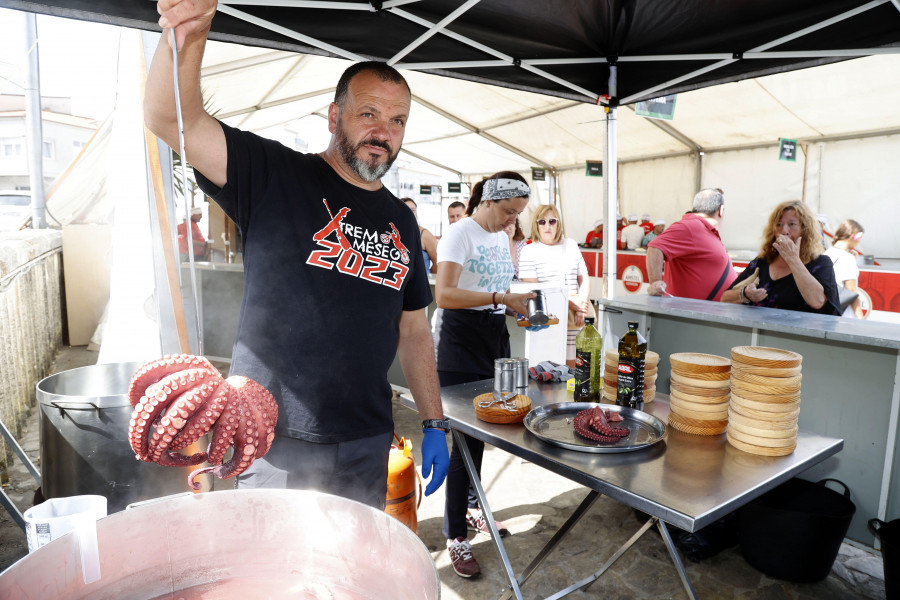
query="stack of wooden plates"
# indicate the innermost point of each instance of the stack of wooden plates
(699, 393)
(511, 411)
(611, 375)
(765, 400)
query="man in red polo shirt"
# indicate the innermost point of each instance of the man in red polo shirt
(696, 263)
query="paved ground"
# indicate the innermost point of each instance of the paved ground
(533, 504)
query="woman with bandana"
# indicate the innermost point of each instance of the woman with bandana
(472, 291)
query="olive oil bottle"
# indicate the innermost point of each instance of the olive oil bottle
(632, 352)
(588, 352)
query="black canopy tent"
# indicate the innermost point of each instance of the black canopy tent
(604, 52)
(563, 49)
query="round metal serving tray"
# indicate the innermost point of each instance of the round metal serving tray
(553, 424)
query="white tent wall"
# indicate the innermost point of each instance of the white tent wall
(662, 188)
(754, 182)
(861, 181)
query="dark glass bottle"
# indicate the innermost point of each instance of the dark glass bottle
(632, 353)
(588, 351)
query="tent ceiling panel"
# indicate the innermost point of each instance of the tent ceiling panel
(524, 34)
(471, 154)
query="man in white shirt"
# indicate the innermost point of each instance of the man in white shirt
(632, 234)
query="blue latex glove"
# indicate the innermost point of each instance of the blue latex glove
(434, 453)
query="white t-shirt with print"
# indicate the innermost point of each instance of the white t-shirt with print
(560, 263)
(484, 256)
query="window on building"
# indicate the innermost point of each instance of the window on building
(49, 150)
(77, 146)
(12, 147)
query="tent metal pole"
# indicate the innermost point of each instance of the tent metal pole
(611, 196)
(34, 124)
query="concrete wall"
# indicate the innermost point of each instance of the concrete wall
(30, 323)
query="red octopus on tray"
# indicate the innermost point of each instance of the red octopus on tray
(179, 398)
(594, 424)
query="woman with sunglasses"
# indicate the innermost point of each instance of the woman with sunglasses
(552, 257)
(472, 291)
(791, 271)
(846, 271)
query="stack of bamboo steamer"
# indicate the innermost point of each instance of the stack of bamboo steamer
(699, 392)
(611, 375)
(765, 400)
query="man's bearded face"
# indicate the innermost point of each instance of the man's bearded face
(370, 168)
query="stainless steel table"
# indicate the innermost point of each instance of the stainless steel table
(687, 481)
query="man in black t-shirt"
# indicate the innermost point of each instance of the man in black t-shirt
(334, 280)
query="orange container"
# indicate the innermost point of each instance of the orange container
(401, 484)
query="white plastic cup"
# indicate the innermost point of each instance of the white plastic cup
(58, 516)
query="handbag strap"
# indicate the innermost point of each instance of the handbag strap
(724, 276)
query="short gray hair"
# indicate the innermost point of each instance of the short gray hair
(708, 201)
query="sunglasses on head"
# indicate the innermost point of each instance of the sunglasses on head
(543, 222)
(857, 236)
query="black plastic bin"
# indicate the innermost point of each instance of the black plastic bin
(889, 534)
(794, 532)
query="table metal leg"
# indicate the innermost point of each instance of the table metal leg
(5, 501)
(555, 540)
(584, 583)
(679, 566)
(486, 509)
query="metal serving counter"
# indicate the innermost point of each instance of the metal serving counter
(851, 381)
(687, 481)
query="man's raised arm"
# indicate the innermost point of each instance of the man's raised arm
(204, 141)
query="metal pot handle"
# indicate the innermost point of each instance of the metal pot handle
(63, 408)
(67, 406)
(155, 500)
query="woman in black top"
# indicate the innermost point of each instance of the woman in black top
(791, 271)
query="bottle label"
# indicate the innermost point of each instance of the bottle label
(630, 390)
(582, 374)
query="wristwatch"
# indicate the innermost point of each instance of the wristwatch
(436, 424)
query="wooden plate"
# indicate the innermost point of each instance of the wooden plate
(762, 356)
(684, 409)
(756, 440)
(740, 427)
(651, 358)
(610, 392)
(680, 393)
(765, 380)
(760, 416)
(524, 322)
(765, 393)
(497, 414)
(765, 407)
(674, 421)
(759, 450)
(698, 391)
(712, 376)
(765, 371)
(702, 407)
(764, 424)
(698, 422)
(697, 362)
(701, 383)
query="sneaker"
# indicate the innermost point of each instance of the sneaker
(461, 558)
(476, 521)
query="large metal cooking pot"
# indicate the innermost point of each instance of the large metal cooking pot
(258, 544)
(84, 440)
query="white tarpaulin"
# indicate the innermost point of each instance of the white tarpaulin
(845, 111)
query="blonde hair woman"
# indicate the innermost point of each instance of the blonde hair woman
(791, 271)
(552, 257)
